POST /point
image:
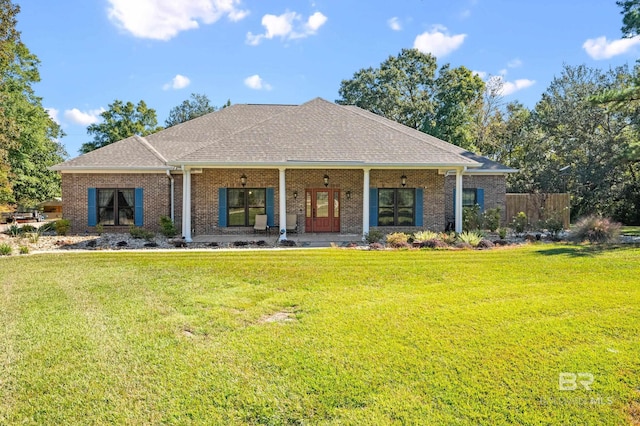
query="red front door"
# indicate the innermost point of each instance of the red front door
(322, 210)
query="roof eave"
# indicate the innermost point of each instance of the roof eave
(295, 164)
(109, 169)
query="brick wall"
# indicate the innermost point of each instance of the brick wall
(75, 204)
(494, 192)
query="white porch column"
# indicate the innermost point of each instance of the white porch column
(186, 205)
(283, 206)
(458, 201)
(365, 203)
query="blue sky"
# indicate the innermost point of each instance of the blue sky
(285, 51)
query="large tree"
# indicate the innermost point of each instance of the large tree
(197, 106)
(28, 136)
(409, 89)
(121, 121)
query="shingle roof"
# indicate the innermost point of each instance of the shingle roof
(317, 132)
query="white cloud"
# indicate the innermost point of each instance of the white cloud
(53, 113)
(287, 26)
(510, 87)
(256, 82)
(164, 19)
(514, 63)
(438, 42)
(600, 48)
(394, 24)
(178, 82)
(503, 72)
(83, 118)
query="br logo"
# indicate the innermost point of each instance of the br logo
(571, 381)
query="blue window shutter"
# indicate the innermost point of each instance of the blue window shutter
(270, 194)
(139, 206)
(373, 206)
(419, 220)
(480, 198)
(222, 207)
(454, 204)
(92, 212)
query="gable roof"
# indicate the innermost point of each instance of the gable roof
(317, 133)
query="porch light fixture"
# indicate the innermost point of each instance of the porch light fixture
(348, 195)
(295, 195)
(243, 180)
(403, 180)
(326, 180)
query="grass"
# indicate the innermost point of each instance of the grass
(405, 337)
(630, 230)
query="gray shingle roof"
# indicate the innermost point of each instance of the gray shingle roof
(317, 132)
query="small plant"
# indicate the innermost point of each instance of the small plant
(140, 233)
(448, 237)
(14, 231)
(491, 219)
(375, 246)
(167, 227)
(425, 235)
(5, 250)
(47, 227)
(100, 229)
(398, 240)
(24, 250)
(62, 226)
(553, 224)
(373, 236)
(471, 218)
(28, 228)
(596, 229)
(435, 244)
(33, 237)
(520, 222)
(471, 238)
(502, 232)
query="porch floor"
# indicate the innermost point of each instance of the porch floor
(301, 240)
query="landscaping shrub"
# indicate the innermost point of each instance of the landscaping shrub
(373, 236)
(99, 228)
(47, 227)
(5, 250)
(520, 222)
(552, 224)
(463, 245)
(502, 233)
(14, 230)
(62, 226)
(140, 233)
(435, 244)
(471, 218)
(471, 238)
(33, 237)
(398, 240)
(425, 235)
(28, 229)
(596, 229)
(448, 237)
(375, 246)
(167, 227)
(24, 250)
(491, 219)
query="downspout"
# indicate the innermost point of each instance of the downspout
(172, 208)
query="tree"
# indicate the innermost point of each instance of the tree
(189, 109)
(406, 89)
(121, 121)
(28, 136)
(631, 17)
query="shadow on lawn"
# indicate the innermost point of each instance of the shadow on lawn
(585, 250)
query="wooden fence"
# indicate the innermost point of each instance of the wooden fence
(539, 206)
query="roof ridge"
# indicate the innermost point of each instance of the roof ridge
(200, 148)
(388, 123)
(150, 147)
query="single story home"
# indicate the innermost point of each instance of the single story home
(338, 169)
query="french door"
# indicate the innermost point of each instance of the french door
(322, 210)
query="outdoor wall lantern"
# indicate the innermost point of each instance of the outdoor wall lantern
(295, 195)
(243, 180)
(326, 180)
(348, 195)
(403, 180)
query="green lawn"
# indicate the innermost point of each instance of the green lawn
(630, 230)
(405, 337)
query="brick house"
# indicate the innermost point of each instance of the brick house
(338, 168)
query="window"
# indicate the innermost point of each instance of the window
(244, 204)
(116, 206)
(469, 197)
(396, 207)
